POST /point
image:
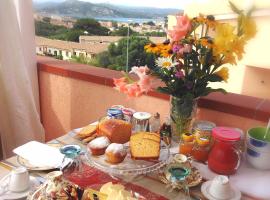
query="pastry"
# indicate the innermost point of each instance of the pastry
(118, 131)
(89, 139)
(87, 131)
(115, 153)
(116, 191)
(145, 146)
(99, 145)
(56, 187)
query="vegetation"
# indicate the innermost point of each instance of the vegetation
(45, 29)
(156, 34)
(92, 26)
(150, 23)
(123, 31)
(115, 57)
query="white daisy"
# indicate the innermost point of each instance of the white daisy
(165, 62)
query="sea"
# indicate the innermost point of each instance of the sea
(129, 20)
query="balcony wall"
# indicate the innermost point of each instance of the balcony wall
(73, 95)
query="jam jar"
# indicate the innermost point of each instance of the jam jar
(186, 144)
(225, 155)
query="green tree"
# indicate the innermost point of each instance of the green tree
(115, 57)
(47, 19)
(46, 29)
(123, 31)
(156, 34)
(92, 26)
(73, 35)
(150, 23)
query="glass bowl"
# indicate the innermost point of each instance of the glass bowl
(130, 166)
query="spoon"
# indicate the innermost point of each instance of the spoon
(267, 130)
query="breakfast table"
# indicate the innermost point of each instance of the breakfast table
(150, 181)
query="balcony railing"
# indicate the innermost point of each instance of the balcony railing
(73, 95)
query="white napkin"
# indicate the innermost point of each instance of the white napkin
(248, 180)
(40, 155)
(251, 181)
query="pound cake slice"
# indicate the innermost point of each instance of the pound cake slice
(145, 146)
(118, 131)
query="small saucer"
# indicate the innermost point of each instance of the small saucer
(205, 190)
(34, 183)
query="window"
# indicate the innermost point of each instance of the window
(60, 52)
(50, 51)
(40, 49)
(67, 53)
(55, 53)
(74, 53)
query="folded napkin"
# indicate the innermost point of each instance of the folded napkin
(40, 155)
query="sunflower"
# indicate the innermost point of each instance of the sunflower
(165, 62)
(152, 48)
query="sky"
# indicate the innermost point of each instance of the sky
(179, 4)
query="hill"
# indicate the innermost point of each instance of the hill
(81, 9)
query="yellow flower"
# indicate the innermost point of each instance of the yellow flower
(249, 28)
(151, 48)
(238, 47)
(229, 58)
(166, 50)
(224, 38)
(223, 73)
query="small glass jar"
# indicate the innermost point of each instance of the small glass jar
(203, 128)
(186, 144)
(201, 149)
(165, 131)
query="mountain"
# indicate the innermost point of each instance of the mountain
(81, 9)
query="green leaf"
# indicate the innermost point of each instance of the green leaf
(235, 9)
(164, 90)
(213, 78)
(219, 90)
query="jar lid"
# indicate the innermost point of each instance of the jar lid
(128, 111)
(142, 115)
(203, 125)
(71, 150)
(114, 112)
(226, 134)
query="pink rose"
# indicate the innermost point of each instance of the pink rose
(183, 26)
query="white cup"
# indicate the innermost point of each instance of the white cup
(18, 180)
(220, 187)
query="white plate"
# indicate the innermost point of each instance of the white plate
(34, 183)
(205, 190)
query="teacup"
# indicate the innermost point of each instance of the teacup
(220, 187)
(18, 180)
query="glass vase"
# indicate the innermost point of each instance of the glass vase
(183, 111)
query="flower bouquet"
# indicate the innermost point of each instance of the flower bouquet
(198, 53)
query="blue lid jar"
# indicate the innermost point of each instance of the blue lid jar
(115, 113)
